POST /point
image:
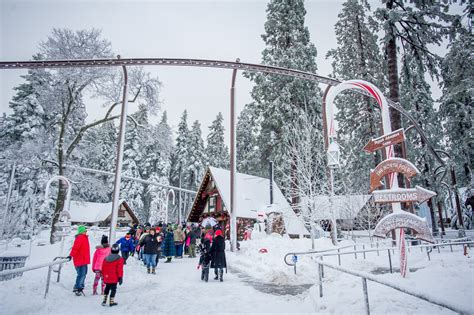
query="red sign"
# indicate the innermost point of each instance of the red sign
(392, 165)
(392, 138)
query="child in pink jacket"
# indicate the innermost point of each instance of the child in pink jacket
(99, 255)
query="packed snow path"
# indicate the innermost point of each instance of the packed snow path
(176, 288)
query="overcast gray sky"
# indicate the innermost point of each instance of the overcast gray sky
(222, 30)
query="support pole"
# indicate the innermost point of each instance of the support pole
(10, 187)
(461, 233)
(366, 296)
(118, 163)
(440, 213)
(233, 166)
(180, 199)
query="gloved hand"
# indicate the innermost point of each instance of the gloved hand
(198, 266)
(69, 258)
(120, 281)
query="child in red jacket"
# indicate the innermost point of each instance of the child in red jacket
(112, 271)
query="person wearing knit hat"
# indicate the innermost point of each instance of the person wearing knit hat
(217, 251)
(80, 253)
(101, 251)
(112, 270)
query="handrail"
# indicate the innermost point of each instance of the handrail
(404, 289)
(56, 261)
(24, 269)
(366, 250)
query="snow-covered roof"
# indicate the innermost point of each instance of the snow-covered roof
(342, 206)
(90, 212)
(253, 196)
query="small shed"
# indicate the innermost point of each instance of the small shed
(100, 214)
(252, 200)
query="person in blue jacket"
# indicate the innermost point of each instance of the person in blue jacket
(126, 246)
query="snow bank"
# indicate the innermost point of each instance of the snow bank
(270, 267)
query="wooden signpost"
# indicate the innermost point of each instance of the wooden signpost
(392, 138)
(417, 194)
(392, 165)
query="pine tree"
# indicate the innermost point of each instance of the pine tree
(180, 157)
(414, 27)
(134, 156)
(162, 146)
(247, 149)
(357, 57)
(456, 110)
(280, 100)
(417, 100)
(196, 163)
(216, 151)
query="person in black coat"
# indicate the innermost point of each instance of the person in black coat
(217, 252)
(151, 244)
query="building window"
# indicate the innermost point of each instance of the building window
(212, 203)
(121, 213)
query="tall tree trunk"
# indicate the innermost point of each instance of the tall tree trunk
(61, 197)
(394, 94)
(369, 108)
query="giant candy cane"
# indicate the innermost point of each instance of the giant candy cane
(386, 124)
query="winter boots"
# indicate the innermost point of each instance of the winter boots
(153, 270)
(219, 274)
(112, 302)
(168, 260)
(148, 270)
(79, 292)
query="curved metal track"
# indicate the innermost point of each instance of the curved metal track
(167, 62)
(205, 64)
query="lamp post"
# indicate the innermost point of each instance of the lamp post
(333, 155)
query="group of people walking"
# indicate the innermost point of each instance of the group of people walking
(107, 265)
(148, 244)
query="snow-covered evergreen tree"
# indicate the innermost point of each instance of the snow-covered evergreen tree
(197, 158)
(417, 100)
(280, 100)
(415, 26)
(217, 152)
(134, 155)
(357, 56)
(248, 154)
(180, 153)
(456, 110)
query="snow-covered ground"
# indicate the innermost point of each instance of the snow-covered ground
(256, 283)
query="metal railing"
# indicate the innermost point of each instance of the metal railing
(366, 276)
(404, 289)
(56, 261)
(363, 251)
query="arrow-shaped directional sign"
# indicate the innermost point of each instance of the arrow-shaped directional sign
(418, 194)
(392, 138)
(392, 165)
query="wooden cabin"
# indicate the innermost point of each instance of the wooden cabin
(252, 200)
